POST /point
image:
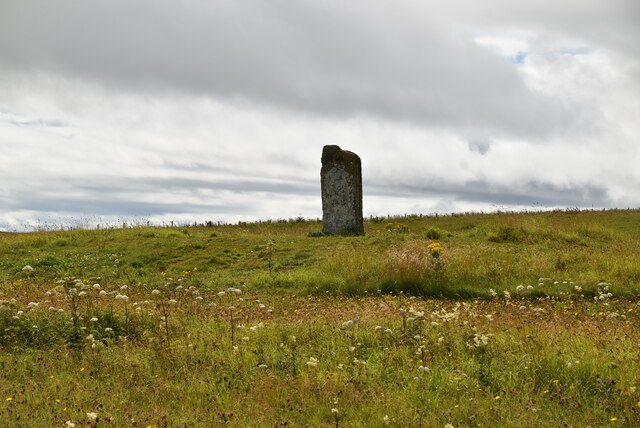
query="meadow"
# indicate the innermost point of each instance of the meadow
(504, 319)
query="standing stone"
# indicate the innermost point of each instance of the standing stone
(341, 183)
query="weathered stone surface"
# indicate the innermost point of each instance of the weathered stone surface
(341, 183)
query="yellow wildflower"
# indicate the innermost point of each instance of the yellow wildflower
(435, 248)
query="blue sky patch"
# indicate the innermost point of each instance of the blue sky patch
(517, 58)
(577, 51)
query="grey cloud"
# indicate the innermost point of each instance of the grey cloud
(532, 193)
(330, 58)
(239, 186)
(43, 123)
(104, 206)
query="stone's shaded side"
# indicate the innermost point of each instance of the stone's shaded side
(341, 183)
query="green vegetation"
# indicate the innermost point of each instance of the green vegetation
(492, 319)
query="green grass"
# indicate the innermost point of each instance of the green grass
(522, 320)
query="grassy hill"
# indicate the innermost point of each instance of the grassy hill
(479, 252)
(480, 319)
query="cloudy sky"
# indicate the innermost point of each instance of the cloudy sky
(194, 110)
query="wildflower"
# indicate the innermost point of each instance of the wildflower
(92, 416)
(234, 290)
(386, 420)
(155, 292)
(82, 293)
(122, 297)
(102, 293)
(529, 287)
(257, 326)
(423, 368)
(435, 249)
(172, 302)
(262, 366)
(493, 292)
(347, 324)
(613, 419)
(124, 287)
(90, 338)
(313, 362)
(32, 305)
(449, 425)
(520, 287)
(94, 319)
(96, 286)
(108, 329)
(507, 295)
(27, 268)
(73, 292)
(418, 315)
(497, 397)
(478, 341)
(9, 399)
(334, 411)
(52, 309)
(69, 424)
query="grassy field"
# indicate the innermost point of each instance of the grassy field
(467, 320)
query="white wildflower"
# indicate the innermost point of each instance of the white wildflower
(313, 362)
(27, 268)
